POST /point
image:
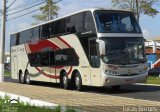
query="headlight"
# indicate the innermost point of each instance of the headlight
(110, 72)
(143, 70)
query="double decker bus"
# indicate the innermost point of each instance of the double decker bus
(92, 47)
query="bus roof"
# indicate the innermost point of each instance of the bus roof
(90, 9)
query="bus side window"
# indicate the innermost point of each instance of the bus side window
(61, 57)
(79, 23)
(34, 59)
(22, 37)
(45, 32)
(73, 58)
(29, 36)
(89, 23)
(56, 31)
(58, 28)
(44, 59)
(53, 30)
(52, 58)
(70, 25)
(94, 57)
(17, 39)
(62, 27)
(66, 57)
(35, 34)
(13, 40)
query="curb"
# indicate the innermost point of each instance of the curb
(147, 84)
(28, 100)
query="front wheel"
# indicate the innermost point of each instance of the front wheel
(78, 81)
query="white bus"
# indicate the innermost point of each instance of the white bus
(93, 47)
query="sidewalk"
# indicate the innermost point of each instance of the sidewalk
(89, 101)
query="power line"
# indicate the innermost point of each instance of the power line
(27, 8)
(23, 15)
(21, 6)
(11, 4)
(30, 12)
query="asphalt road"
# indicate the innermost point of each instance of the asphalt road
(145, 92)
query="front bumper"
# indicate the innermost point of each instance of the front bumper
(109, 80)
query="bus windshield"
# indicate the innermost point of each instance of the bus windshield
(124, 50)
(116, 22)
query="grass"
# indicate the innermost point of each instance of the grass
(7, 73)
(21, 107)
(153, 80)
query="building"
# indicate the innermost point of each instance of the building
(153, 52)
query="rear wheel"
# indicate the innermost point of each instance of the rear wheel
(64, 81)
(27, 78)
(21, 78)
(78, 81)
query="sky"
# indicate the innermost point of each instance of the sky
(150, 26)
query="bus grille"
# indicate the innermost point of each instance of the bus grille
(128, 74)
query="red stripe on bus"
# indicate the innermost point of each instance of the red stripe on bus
(46, 44)
(42, 45)
(54, 76)
(47, 75)
(70, 70)
(64, 42)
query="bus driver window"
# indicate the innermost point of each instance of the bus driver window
(94, 58)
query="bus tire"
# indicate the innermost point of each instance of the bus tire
(117, 87)
(64, 81)
(78, 82)
(21, 78)
(27, 78)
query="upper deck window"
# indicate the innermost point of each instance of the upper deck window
(116, 22)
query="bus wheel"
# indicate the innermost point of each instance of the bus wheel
(78, 81)
(21, 78)
(27, 78)
(64, 82)
(117, 87)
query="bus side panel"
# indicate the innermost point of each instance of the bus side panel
(84, 67)
(14, 63)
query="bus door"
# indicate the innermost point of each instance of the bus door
(94, 62)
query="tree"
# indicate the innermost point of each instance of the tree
(49, 11)
(138, 6)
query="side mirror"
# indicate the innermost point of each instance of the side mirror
(101, 47)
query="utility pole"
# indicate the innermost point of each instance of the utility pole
(2, 40)
(137, 5)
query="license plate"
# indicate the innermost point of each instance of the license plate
(129, 80)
